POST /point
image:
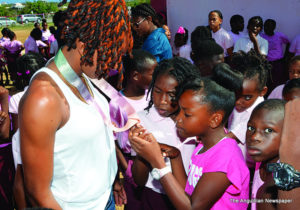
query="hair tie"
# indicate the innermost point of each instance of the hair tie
(180, 30)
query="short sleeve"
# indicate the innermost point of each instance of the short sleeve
(276, 93)
(294, 45)
(228, 41)
(284, 38)
(13, 104)
(229, 160)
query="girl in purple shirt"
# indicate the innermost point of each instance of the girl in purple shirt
(218, 177)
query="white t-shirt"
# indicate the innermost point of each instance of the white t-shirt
(245, 44)
(45, 35)
(223, 38)
(164, 130)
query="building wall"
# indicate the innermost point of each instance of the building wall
(191, 13)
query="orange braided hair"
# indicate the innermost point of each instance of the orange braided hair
(103, 25)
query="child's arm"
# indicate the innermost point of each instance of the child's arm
(140, 167)
(18, 188)
(120, 157)
(253, 39)
(4, 118)
(209, 189)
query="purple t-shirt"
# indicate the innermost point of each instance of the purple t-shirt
(275, 45)
(224, 157)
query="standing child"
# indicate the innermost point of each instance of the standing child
(221, 36)
(294, 73)
(276, 55)
(158, 120)
(254, 68)
(237, 27)
(218, 175)
(182, 49)
(13, 51)
(291, 90)
(253, 40)
(263, 139)
(138, 70)
(3, 59)
(30, 43)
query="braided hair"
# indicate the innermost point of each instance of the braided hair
(179, 68)
(103, 25)
(252, 65)
(145, 10)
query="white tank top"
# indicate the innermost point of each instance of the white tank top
(85, 162)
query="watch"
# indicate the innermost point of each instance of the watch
(157, 174)
(284, 175)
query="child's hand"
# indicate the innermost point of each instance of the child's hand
(3, 116)
(146, 146)
(252, 37)
(119, 193)
(137, 130)
(3, 93)
(169, 151)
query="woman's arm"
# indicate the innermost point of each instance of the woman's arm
(40, 116)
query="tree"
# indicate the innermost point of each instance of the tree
(39, 7)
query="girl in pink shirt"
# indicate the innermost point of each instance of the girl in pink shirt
(13, 51)
(218, 177)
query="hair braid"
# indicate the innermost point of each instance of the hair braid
(144, 10)
(103, 26)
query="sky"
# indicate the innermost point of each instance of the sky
(22, 1)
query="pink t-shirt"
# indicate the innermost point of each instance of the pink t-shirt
(277, 92)
(12, 46)
(257, 183)
(275, 45)
(295, 46)
(30, 45)
(224, 157)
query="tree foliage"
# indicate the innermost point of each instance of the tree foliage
(39, 7)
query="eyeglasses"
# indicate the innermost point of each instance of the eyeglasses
(138, 23)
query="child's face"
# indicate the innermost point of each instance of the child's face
(248, 95)
(292, 94)
(214, 20)
(263, 134)
(146, 77)
(140, 25)
(239, 25)
(193, 117)
(163, 95)
(167, 31)
(254, 27)
(294, 70)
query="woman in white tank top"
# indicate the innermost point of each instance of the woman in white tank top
(67, 150)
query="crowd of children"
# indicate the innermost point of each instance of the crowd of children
(210, 112)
